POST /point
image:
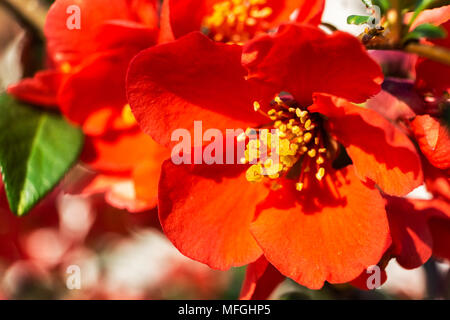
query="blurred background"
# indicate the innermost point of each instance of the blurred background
(126, 256)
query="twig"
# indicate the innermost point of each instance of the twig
(329, 26)
(435, 53)
(395, 18)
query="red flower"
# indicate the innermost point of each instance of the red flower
(332, 229)
(418, 106)
(95, 58)
(13, 229)
(261, 279)
(433, 76)
(437, 181)
(433, 138)
(41, 90)
(420, 229)
(234, 21)
(87, 81)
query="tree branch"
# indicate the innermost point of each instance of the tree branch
(435, 53)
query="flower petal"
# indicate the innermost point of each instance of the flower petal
(303, 59)
(41, 90)
(411, 237)
(438, 212)
(437, 181)
(116, 34)
(435, 16)
(145, 12)
(123, 196)
(433, 76)
(329, 232)
(180, 17)
(390, 107)
(379, 151)
(434, 140)
(172, 85)
(72, 45)
(311, 11)
(146, 177)
(82, 92)
(363, 281)
(206, 212)
(305, 11)
(261, 279)
(119, 151)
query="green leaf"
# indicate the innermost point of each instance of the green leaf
(37, 148)
(358, 20)
(426, 30)
(383, 4)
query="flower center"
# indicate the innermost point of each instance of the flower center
(237, 21)
(295, 148)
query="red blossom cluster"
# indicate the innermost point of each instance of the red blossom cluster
(354, 139)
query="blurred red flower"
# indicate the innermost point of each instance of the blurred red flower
(13, 229)
(433, 78)
(432, 136)
(320, 218)
(419, 229)
(418, 105)
(86, 80)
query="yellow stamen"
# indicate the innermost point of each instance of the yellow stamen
(308, 136)
(127, 116)
(297, 142)
(278, 100)
(320, 174)
(237, 21)
(66, 67)
(254, 173)
(320, 160)
(312, 153)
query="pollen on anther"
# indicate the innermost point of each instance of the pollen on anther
(312, 153)
(308, 136)
(127, 116)
(254, 173)
(66, 67)
(237, 21)
(320, 160)
(278, 100)
(320, 174)
(299, 149)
